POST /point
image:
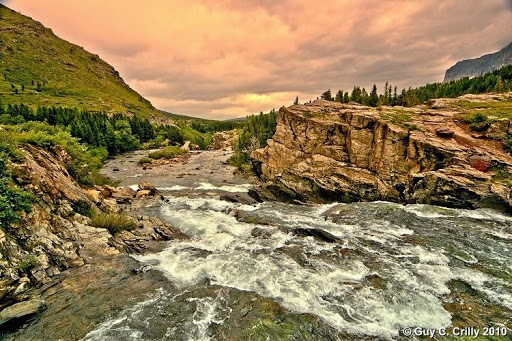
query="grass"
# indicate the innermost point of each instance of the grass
(496, 110)
(194, 136)
(167, 153)
(501, 175)
(68, 76)
(399, 118)
(114, 222)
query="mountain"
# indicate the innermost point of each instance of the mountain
(481, 65)
(39, 68)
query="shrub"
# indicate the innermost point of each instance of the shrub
(479, 122)
(28, 264)
(478, 118)
(167, 153)
(82, 207)
(13, 200)
(145, 160)
(508, 144)
(113, 222)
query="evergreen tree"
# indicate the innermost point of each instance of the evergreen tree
(327, 95)
(385, 97)
(499, 87)
(356, 95)
(346, 98)
(296, 100)
(373, 101)
(339, 96)
(364, 97)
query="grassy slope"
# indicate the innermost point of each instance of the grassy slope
(72, 77)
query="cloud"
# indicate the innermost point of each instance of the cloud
(228, 58)
(509, 2)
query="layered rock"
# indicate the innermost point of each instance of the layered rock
(57, 233)
(327, 151)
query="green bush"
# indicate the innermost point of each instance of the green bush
(28, 264)
(113, 222)
(84, 162)
(167, 153)
(13, 200)
(145, 160)
(478, 122)
(238, 159)
(82, 207)
(508, 144)
(478, 118)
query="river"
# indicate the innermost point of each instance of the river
(265, 271)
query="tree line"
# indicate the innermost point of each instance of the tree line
(211, 126)
(116, 133)
(255, 132)
(495, 81)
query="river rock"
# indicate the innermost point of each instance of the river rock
(21, 309)
(241, 198)
(110, 205)
(123, 195)
(143, 194)
(147, 186)
(93, 195)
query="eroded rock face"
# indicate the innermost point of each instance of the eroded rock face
(327, 151)
(57, 234)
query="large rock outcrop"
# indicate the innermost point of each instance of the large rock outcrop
(479, 66)
(58, 234)
(327, 151)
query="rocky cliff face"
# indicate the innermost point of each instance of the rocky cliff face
(57, 233)
(481, 65)
(327, 151)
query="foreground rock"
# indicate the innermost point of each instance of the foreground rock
(21, 309)
(327, 151)
(58, 233)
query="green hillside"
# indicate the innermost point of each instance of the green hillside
(39, 68)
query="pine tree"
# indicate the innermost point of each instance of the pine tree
(386, 95)
(346, 98)
(339, 96)
(373, 101)
(499, 85)
(296, 100)
(356, 95)
(327, 95)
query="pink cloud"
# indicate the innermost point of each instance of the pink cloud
(191, 57)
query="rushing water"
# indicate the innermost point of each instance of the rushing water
(362, 269)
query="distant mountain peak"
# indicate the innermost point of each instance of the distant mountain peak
(479, 66)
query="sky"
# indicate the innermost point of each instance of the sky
(230, 58)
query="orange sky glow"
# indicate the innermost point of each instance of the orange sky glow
(231, 58)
